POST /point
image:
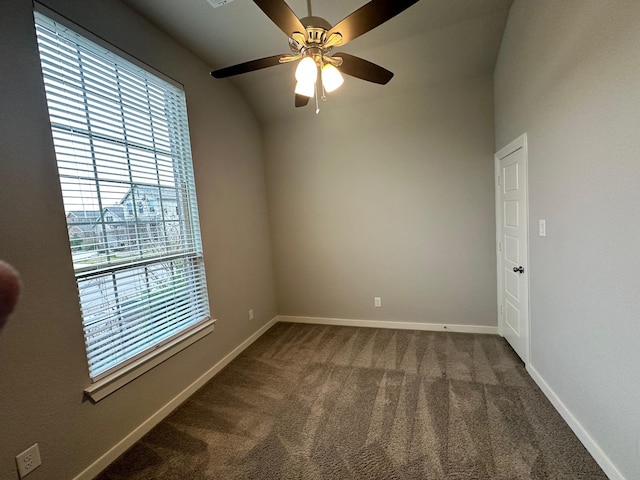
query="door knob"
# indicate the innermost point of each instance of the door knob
(519, 269)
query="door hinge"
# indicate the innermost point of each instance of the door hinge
(500, 309)
(499, 181)
(499, 246)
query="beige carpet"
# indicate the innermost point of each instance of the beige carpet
(322, 402)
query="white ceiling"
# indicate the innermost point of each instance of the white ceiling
(433, 42)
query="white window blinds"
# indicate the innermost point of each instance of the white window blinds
(123, 152)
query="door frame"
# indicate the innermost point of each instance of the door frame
(518, 143)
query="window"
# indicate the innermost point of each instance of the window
(121, 136)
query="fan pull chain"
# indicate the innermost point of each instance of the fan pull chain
(319, 85)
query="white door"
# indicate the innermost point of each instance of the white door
(512, 248)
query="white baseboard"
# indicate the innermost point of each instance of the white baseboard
(105, 460)
(589, 443)
(347, 322)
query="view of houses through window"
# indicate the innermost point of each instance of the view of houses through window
(132, 227)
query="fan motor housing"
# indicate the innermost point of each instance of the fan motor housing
(315, 22)
(316, 29)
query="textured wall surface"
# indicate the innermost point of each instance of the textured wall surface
(568, 74)
(389, 198)
(42, 361)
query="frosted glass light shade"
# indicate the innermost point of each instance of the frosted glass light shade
(331, 77)
(305, 88)
(307, 72)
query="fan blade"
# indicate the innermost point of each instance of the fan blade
(363, 69)
(247, 67)
(301, 100)
(368, 17)
(281, 14)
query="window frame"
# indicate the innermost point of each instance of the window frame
(114, 378)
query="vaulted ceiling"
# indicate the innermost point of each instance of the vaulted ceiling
(431, 43)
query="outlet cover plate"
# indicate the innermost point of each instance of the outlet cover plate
(28, 460)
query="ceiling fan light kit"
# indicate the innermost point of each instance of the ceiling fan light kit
(311, 40)
(305, 89)
(331, 78)
(307, 71)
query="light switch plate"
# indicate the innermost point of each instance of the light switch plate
(542, 228)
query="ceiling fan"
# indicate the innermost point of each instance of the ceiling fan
(311, 40)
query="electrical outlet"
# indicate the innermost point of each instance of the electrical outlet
(28, 460)
(377, 302)
(251, 314)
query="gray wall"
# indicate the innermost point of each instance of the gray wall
(568, 74)
(42, 361)
(390, 198)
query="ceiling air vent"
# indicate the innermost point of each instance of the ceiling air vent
(218, 3)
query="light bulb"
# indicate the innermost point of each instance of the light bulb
(331, 77)
(307, 71)
(305, 88)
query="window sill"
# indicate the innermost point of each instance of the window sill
(109, 384)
